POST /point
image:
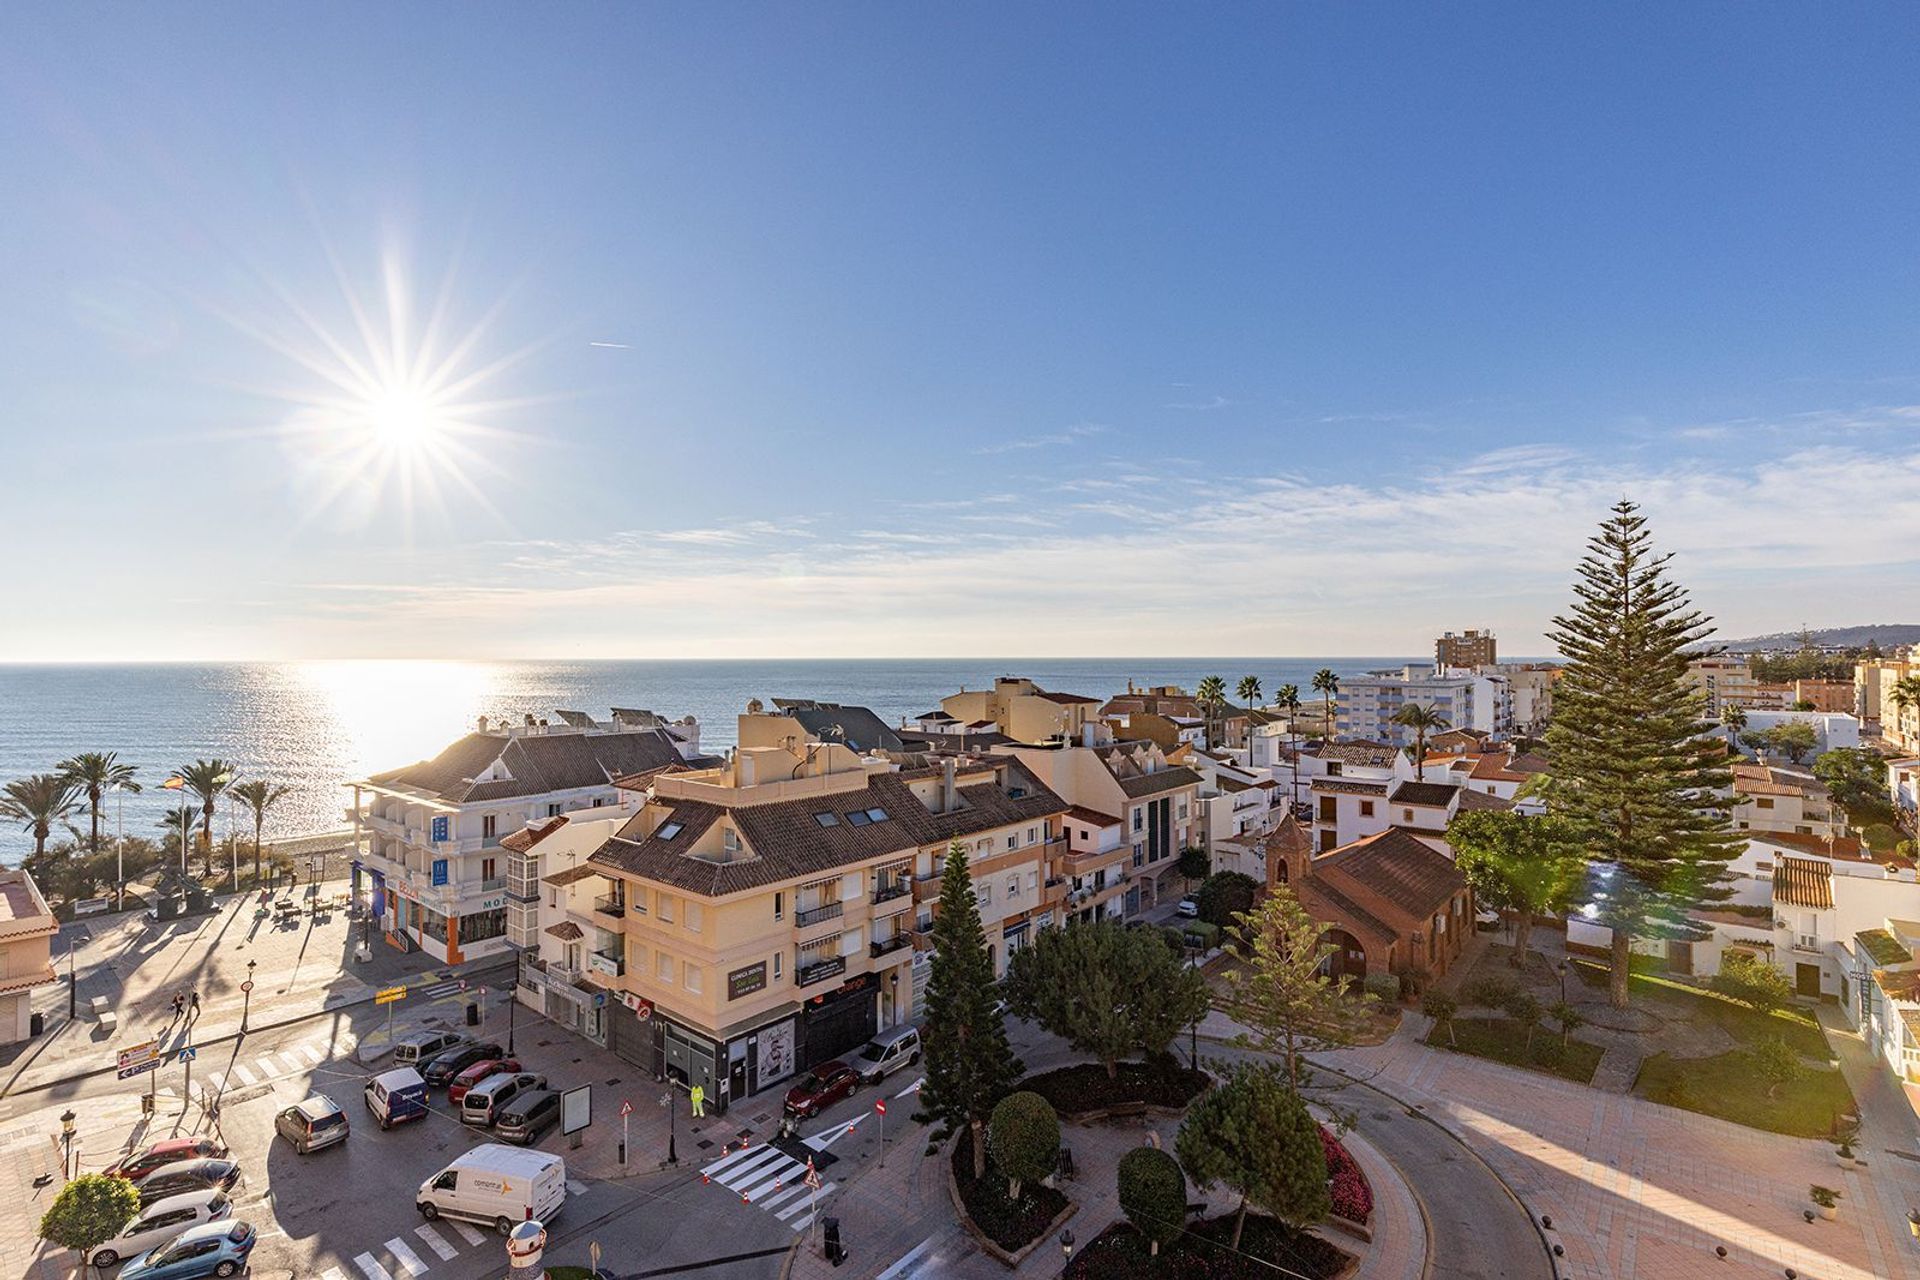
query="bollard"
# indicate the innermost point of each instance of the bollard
(525, 1243)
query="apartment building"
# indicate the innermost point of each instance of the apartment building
(1467, 651)
(1467, 700)
(758, 918)
(1726, 680)
(1873, 682)
(27, 929)
(1823, 695)
(1768, 798)
(1238, 807)
(1161, 700)
(1530, 686)
(1025, 712)
(550, 889)
(429, 864)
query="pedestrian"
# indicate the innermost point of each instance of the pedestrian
(179, 1004)
(195, 998)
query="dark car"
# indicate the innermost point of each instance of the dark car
(523, 1120)
(820, 1088)
(187, 1175)
(476, 1072)
(442, 1068)
(171, 1151)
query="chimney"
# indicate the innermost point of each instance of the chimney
(483, 724)
(527, 719)
(949, 797)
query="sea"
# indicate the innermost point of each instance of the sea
(314, 726)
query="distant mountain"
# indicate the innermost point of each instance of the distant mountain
(1888, 634)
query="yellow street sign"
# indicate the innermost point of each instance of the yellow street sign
(389, 995)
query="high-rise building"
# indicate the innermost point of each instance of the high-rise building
(1464, 651)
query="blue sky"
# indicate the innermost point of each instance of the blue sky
(1026, 330)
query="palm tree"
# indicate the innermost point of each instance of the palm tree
(1327, 685)
(1422, 720)
(178, 824)
(96, 773)
(1289, 699)
(1210, 694)
(208, 779)
(1248, 691)
(37, 803)
(258, 795)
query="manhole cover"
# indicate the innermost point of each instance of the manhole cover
(1383, 1115)
(704, 1144)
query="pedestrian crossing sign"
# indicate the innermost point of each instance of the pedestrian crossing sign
(813, 1175)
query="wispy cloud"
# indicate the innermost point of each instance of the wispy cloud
(1052, 439)
(1201, 405)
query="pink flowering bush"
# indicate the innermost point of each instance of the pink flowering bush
(1352, 1197)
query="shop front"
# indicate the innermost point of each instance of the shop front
(735, 1064)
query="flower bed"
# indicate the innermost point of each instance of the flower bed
(1120, 1253)
(1010, 1224)
(1084, 1087)
(1352, 1196)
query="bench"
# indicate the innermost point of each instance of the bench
(90, 906)
(110, 1021)
(99, 1006)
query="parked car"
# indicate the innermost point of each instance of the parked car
(160, 1222)
(476, 1072)
(396, 1095)
(523, 1120)
(422, 1046)
(1189, 908)
(887, 1052)
(481, 1104)
(216, 1249)
(440, 1071)
(318, 1122)
(183, 1176)
(820, 1088)
(139, 1164)
(497, 1185)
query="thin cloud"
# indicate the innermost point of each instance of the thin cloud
(1052, 439)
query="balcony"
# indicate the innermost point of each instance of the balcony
(607, 963)
(609, 915)
(893, 889)
(893, 904)
(492, 883)
(819, 971)
(817, 915)
(1806, 942)
(561, 971)
(927, 886)
(885, 945)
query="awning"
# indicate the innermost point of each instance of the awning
(566, 931)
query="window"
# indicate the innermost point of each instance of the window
(663, 909)
(1013, 888)
(487, 870)
(876, 814)
(1763, 803)
(1033, 834)
(730, 840)
(1013, 841)
(488, 825)
(668, 830)
(1406, 815)
(1333, 768)
(858, 818)
(1366, 808)
(1139, 819)
(553, 810)
(482, 925)
(826, 819)
(693, 915)
(692, 977)
(663, 967)
(776, 966)
(984, 891)
(1183, 807)
(779, 905)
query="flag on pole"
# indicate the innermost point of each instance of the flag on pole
(174, 783)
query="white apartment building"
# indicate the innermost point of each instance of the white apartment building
(1831, 729)
(1238, 807)
(430, 866)
(1468, 700)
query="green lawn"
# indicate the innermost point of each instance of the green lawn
(1674, 998)
(1504, 1041)
(1726, 1086)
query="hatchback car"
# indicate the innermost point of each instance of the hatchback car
(318, 1122)
(184, 1176)
(139, 1164)
(216, 1249)
(162, 1221)
(443, 1067)
(481, 1104)
(523, 1120)
(1189, 907)
(820, 1088)
(484, 1069)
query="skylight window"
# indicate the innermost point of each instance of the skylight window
(826, 819)
(668, 830)
(858, 818)
(876, 814)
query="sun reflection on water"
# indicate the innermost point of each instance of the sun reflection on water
(389, 712)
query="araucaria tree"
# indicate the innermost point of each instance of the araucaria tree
(1283, 993)
(970, 1066)
(1525, 866)
(1254, 1134)
(1633, 768)
(1105, 989)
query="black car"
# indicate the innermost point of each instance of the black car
(524, 1119)
(183, 1176)
(440, 1070)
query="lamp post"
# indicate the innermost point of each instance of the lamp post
(666, 1100)
(73, 985)
(246, 996)
(66, 1143)
(1563, 981)
(513, 998)
(1066, 1244)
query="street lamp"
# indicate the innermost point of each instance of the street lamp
(66, 1140)
(246, 996)
(1066, 1243)
(666, 1100)
(73, 985)
(1563, 981)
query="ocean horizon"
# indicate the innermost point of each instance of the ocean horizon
(315, 725)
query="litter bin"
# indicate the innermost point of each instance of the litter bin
(37, 1025)
(473, 1014)
(830, 1240)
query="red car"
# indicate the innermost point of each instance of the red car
(137, 1165)
(479, 1071)
(820, 1088)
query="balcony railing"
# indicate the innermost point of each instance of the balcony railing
(610, 905)
(611, 964)
(819, 971)
(893, 889)
(817, 915)
(882, 946)
(496, 882)
(561, 970)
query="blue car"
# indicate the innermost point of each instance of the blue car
(213, 1249)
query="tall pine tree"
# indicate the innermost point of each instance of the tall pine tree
(970, 1066)
(1634, 769)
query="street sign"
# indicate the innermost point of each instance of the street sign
(626, 1108)
(187, 1054)
(880, 1105)
(131, 1070)
(389, 995)
(139, 1053)
(247, 985)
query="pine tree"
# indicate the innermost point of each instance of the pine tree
(1283, 993)
(1254, 1134)
(970, 1066)
(1633, 769)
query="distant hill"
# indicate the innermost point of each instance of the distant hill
(1888, 634)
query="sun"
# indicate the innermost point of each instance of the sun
(402, 420)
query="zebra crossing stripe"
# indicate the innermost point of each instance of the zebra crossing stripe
(797, 1205)
(370, 1267)
(312, 1054)
(784, 1193)
(435, 1241)
(467, 1233)
(333, 1273)
(900, 1268)
(575, 1187)
(741, 1174)
(776, 1174)
(246, 1077)
(733, 1158)
(293, 1062)
(217, 1082)
(409, 1260)
(267, 1070)
(800, 1224)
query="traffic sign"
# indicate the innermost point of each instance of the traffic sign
(880, 1105)
(139, 1053)
(187, 1054)
(389, 995)
(140, 1068)
(247, 985)
(626, 1108)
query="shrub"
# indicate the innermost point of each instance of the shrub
(1881, 838)
(1160, 1081)
(89, 1211)
(1207, 934)
(1153, 1194)
(1752, 981)
(1385, 987)
(1775, 1062)
(1009, 1223)
(1441, 1007)
(1224, 896)
(1023, 1139)
(1488, 990)
(1352, 1195)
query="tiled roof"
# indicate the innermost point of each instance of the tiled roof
(1528, 762)
(1091, 817)
(1802, 882)
(1289, 837)
(567, 931)
(1351, 786)
(1064, 699)
(1493, 768)
(1373, 755)
(532, 834)
(1397, 868)
(1760, 780)
(784, 840)
(538, 763)
(1326, 903)
(1471, 799)
(1434, 795)
(570, 875)
(858, 727)
(1846, 848)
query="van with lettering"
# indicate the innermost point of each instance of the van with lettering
(498, 1185)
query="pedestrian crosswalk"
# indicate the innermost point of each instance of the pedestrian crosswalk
(417, 1252)
(769, 1179)
(293, 1060)
(914, 1264)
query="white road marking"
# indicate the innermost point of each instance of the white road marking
(575, 1187)
(370, 1267)
(267, 1070)
(731, 1158)
(898, 1268)
(436, 1241)
(784, 1193)
(785, 1173)
(741, 1174)
(313, 1054)
(821, 1141)
(802, 1204)
(467, 1233)
(913, 1088)
(409, 1260)
(801, 1224)
(333, 1273)
(217, 1082)
(293, 1062)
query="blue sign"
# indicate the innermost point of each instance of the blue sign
(441, 832)
(186, 1054)
(439, 868)
(139, 1068)
(379, 894)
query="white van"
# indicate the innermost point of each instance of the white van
(886, 1053)
(496, 1184)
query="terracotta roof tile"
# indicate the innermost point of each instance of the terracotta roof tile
(1802, 882)
(1395, 869)
(567, 931)
(1433, 795)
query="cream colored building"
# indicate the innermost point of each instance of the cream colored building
(1027, 713)
(27, 929)
(1873, 684)
(1768, 799)
(1726, 680)
(756, 919)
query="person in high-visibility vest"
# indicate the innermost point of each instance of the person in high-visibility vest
(697, 1097)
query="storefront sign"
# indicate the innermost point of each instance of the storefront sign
(439, 872)
(744, 982)
(776, 1052)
